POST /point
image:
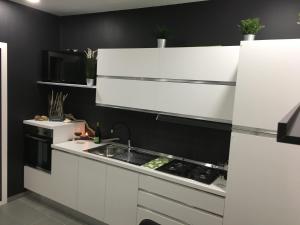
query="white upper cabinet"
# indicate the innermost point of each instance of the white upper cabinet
(200, 63)
(195, 82)
(128, 62)
(210, 102)
(127, 93)
(267, 83)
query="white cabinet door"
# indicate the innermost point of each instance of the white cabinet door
(263, 185)
(127, 93)
(200, 63)
(38, 181)
(267, 83)
(121, 196)
(91, 188)
(145, 214)
(128, 62)
(200, 100)
(64, 178)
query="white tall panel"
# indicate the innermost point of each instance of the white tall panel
(121, 196)
(91, 188)
(128, 62)
(127, 93)
(267, 83)
(200, 100)
(200, 63)
(65, 178)
(263, 185)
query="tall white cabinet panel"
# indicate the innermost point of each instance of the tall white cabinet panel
(200, 63)
(64, 178)
(200, 100)
(263, 185)
(121, 196)
(91, 188)
(127, 93)
(267, 83)
(128, 62)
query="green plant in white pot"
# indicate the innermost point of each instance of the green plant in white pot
(90, 66)
(162, 34)
(250, 27)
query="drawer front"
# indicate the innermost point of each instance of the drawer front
(145, 214)
(191, 197)
(177, 211)
(38, 181)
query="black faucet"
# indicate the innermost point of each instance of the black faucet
(122, 124)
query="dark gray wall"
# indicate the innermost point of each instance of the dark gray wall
(197, 24)
(27, 32)
(204, 23)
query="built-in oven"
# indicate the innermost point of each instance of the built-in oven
(37, 147)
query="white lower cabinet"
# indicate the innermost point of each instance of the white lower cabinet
(37, 181)
(145, 214)
(64, 178)
(91, 188)
(121, 196)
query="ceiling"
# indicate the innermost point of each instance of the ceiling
(75, 7)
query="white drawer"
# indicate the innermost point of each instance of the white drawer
(177, 211)
(38, 181)
(144, 214)
(188, 196)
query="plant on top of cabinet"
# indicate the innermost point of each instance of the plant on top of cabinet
(90, 66)
(250, 27)
(162, 34)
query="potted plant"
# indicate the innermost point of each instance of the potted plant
(90, 66)
(162, 34)
(250, 27)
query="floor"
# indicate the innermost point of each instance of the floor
(32, 209)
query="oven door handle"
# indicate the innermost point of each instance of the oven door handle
(38, 139)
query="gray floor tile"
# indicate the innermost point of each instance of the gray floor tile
(59, 215)
(48, 221)
(22, 213)
(7, 220)
(35, 202)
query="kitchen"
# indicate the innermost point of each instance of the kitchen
(152, 129)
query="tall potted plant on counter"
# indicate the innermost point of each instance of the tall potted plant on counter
(250, 27)
(162, 34)
(90, 66)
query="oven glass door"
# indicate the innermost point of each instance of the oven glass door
(38, 152)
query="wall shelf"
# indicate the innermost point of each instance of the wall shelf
(65, 85)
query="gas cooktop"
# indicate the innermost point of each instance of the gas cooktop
(190, 170)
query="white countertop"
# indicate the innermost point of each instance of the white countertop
(74, 147)
(46, 124)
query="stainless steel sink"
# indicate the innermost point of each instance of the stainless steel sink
(134, 157)
(108, 150)
(121, 153)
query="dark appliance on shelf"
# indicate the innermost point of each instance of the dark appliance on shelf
(190, 170)
(64, 67)
(37, 147)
